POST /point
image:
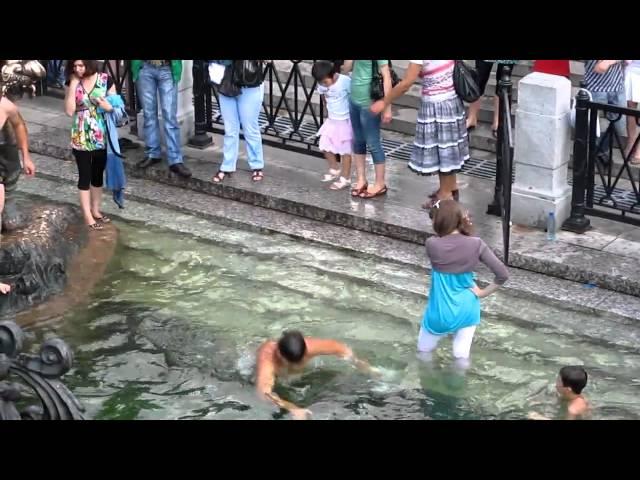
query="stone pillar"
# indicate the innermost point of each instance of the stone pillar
(185, 107)
(542, 151)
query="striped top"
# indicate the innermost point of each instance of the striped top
(437, 79)
(504, 62)
(610, 81)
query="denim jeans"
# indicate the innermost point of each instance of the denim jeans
(612, 98)
(151, 82)
(55, 72)
(242, 110)
(366, 132)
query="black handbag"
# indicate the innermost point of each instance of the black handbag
(248, 73)
(465, 82)
(228, 87)
(377, 82)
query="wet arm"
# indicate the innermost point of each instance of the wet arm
(338, 349)
(20, 130)
(265, 380)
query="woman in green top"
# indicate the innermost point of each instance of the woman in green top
(366, 125)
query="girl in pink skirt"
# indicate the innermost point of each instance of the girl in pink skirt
(335, 134)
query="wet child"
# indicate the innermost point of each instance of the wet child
(336, 136)
(454, 298)
(569, 385)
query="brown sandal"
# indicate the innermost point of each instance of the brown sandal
(379, 193)
(356, 192)
(426, 205)
(257, 176)
(96, 226)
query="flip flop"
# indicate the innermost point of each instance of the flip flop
(379, 193)
(356, 192)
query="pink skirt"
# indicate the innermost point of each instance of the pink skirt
(336, 136)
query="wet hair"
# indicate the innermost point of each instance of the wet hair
(292, 346)
(573, 377)
(323, 69)
(90, 67)
(447, 216)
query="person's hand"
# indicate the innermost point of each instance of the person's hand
(387, 116)
(4, 288)
(28, 165)
(103, 103)
(477, 291)
(377, 107)
(300, 414)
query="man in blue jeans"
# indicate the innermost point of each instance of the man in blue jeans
(605, 81)
(160, 78)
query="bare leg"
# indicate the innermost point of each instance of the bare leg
(448, 183)
(472, 114)
(334, 168)
(85, 205)
(1, 206)
(331, 160)
(379, 184)
(346, 166)
(96, 201)
(361, 172)
(632, 133)
(494, 125)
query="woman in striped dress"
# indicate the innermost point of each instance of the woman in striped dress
(441, 145)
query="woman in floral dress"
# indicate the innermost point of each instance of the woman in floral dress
(85, 102)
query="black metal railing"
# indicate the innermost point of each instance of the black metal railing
(30, 386)
(501, 204)
(601, 186)
(291, 115)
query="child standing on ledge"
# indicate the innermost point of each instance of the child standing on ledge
(454, 299)
(336, 136)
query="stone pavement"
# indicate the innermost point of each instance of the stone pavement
(607, 256)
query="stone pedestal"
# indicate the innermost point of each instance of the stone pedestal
(542, 150)
(185, 108)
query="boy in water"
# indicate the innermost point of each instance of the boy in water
(289, 355)
(569, 384)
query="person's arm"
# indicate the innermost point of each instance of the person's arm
(347, 66)
(70, 96)
(319, 346)
(400, 89)
(265, 380)
(603, 65)
(386, 82)
(12, 114)
(496, 266)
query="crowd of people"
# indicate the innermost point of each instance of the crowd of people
(357, 105)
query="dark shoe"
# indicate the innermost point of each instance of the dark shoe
(147, 162)
(181, 170)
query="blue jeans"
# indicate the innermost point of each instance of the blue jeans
(151, 82)
(242, 110)
(366, 132)
(55, 72)
(612, 98)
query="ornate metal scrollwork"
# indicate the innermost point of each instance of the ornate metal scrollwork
(38, 377)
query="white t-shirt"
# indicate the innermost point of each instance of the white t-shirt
(337, 96)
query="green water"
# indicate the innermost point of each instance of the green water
(171, 330)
